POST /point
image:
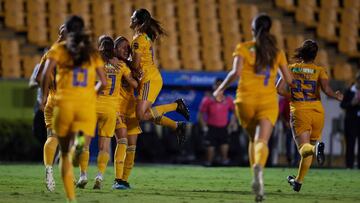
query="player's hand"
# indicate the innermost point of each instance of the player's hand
(42, 103)
(219, 95)
(339, 96)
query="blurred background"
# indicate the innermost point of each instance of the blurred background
(202, 35)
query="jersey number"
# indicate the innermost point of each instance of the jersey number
(306, 92)
(266, 73)
(78, 71)
(113, 80)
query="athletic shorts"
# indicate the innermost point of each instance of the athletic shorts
(131, 123)
(73, 116)
(48, 111)
(106, 120)
(216, 136)
(150, 89)
(249, 114)
(307, 120)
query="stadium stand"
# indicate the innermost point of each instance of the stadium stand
(201, 34)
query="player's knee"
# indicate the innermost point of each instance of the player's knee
(122, 141)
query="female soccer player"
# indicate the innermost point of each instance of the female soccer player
(106, 109)
(127, 126)
(256, 64)
(51, 143)
(77, 63)
(147, 31)
(306, 110)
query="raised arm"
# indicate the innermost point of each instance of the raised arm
(45, 80)
(325, 87)
(231, 76)
(286, 75)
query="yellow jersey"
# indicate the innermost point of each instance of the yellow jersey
(143, 45)
(254, 86)
(127, 99)
(74, 83)
(111, 93)
(306, 94)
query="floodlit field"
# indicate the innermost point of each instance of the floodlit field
(157, 183)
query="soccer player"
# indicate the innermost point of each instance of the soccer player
(256, 64)
(77, 63)
(106, 108)
(127, 126)
(51, 143)
(147, 31)
(306, 110)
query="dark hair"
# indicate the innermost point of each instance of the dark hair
(118, 41)
(106, 47)
(265, 43)
(146, 24)
(307, 52)
(78, 42)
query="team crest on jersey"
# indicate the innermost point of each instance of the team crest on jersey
(109, 68)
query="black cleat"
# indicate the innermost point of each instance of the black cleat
(319, 153)
(182, 109)
(121, 185)
(295, 185)
(180, 133)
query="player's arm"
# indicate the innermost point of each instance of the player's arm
(33, 83)
(286, 75)
(325, 87)
(231, 76)
(131, 81)
(282, 88)
(101, 84)
(136, 55)
(45, 80)
(38, 75)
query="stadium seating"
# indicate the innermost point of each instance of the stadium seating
(10, 59)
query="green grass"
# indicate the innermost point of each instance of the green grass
(157, 183)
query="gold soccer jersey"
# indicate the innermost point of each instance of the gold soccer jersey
(307, 113)
(75, 96)
(256, 96)
(108, 99)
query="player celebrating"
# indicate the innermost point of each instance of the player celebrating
(74, 111)
(147, 31)
(256, 64)
(306, 110)
(127, 127)
(51, 143)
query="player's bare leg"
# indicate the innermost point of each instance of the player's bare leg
(261, 149)
(66, 167)
(102, 160)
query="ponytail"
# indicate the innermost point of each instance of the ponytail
(307, 52)
(106, 47)
(265, 43)
(146, 24)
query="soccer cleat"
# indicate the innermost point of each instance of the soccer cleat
(182, 109)
(120, 185)
(79, 145)
(180, 133)
(49, 179)
(295, 185)
(82, 182)
(258, 184)
(319, 153)
(98, 181)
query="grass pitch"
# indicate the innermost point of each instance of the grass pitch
(157, 183)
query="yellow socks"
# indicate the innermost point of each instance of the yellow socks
(306, 150)
(102, 161)
(84, 161)
(158, 111)
(49, 150)
(261, 153)
(304, 166)
(129, 161)
(119, 157)
(251, 152)
(67, 176)
(165, 121)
